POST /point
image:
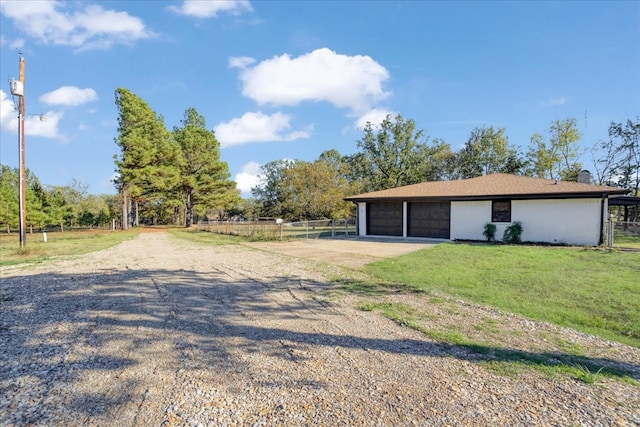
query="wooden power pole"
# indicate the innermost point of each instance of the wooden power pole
(22, 184)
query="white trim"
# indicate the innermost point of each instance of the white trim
(405, 222)
(362, 218)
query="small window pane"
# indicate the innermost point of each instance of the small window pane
(501, 211)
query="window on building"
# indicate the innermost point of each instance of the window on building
(501, 211)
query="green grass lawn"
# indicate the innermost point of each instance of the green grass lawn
(626, 240)
(595, 291)
(58, 244)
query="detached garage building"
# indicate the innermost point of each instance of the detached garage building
(550, 211)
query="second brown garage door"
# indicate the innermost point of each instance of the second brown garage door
(429, 219)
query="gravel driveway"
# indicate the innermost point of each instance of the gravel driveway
(163, 332)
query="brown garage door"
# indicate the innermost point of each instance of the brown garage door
(429, 219)
(384, 219)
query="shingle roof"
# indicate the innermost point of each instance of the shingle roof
(494, 185)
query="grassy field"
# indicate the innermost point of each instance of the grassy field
(66, 243)
(595, 291)
(626, 240)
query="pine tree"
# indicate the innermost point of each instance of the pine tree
(205, 181)
(149, 163)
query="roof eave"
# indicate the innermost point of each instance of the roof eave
(515, 196)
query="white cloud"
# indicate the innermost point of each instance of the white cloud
(69, 96)
(257, 127)
(554, 102)
(8, 113)
(13, 44)
(241, 62)
(210, 8)
(375, 117)
(352, 82)
(44, 125)
(87, 28)
(247, 178)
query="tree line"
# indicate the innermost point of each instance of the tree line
(163, 177)
(52, 206)
(177, 177)
(168, 177)
(397, 153)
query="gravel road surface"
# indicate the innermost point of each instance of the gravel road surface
(163, 332)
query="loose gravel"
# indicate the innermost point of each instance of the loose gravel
(163, 332)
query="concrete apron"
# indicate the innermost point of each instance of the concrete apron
(353, 252)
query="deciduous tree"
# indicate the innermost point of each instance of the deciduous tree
(487, 151)
(301, 190)
(558, 157)
(271, 193)
(440, 161)
(392, 152)
(628, 153)
(320, 189)
(605, 156)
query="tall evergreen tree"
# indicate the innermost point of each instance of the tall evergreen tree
(35, 194)
(149, 162)
(9, 197)
(205, 179)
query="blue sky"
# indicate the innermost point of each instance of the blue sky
(290, 79)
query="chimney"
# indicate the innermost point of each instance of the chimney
(584, 177)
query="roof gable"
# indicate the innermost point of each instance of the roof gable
(494, 185)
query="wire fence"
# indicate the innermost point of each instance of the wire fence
(623, 234)
(30, 229)
(275, 230)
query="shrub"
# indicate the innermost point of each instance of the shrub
(490, 232)
(513, 233)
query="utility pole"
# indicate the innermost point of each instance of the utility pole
(21, 187)
(17, 89)
(22, 201)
